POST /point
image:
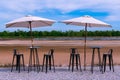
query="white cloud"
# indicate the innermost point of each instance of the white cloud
(19, 7)
(63, 5)
(113, 18)
(12, 9)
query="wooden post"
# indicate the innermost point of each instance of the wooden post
(30, 26)
(85, 46)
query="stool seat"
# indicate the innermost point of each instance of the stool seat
(106, 54)
(18, 58)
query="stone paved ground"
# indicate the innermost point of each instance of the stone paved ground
(61, 73)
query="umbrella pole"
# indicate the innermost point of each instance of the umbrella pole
(85, 47)
(31, 33)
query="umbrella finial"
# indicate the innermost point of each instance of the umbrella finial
(28, 15)
(87, 16)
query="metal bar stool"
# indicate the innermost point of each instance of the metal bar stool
(34, 59)
(74, 56)
(93, 54)
(18, 57)
(110, 58)
(48, 60)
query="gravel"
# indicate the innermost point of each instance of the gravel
(61, 73)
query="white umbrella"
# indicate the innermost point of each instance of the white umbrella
(86, 21)
(30, 22)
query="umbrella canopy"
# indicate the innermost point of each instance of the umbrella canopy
(86, 21)
(30, 22)
(27, 20)
(90, 21)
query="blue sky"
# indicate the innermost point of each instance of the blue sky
(105, 10)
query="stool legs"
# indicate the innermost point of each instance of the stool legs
(30, 61)
(112, 63)
(74, 58)
(43, 62)
(33, 60)
(76, 61)
(53, 62)
(23, 62)
(37, 60)
(110, 59)
(13, 62)
(69, 62)
(48, 60)
(105, 63)
(18, 62)
(92, 63)
(46, 63)
(72, 62)
(79, 63)
(100, 66)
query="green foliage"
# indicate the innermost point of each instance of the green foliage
(38, 34)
